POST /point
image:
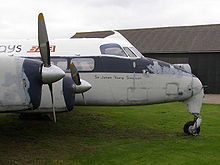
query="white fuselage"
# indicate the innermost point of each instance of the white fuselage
(134, 89)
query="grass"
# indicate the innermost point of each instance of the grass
(141, 135)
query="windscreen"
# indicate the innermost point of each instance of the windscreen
(112, 49)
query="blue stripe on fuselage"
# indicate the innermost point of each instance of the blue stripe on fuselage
(125, 65)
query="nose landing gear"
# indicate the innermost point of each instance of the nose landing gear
(193, 127)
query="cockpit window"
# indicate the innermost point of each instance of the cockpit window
(112, 49)
(136, 52)
(129, 52)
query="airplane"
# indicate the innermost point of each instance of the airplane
(98, 71)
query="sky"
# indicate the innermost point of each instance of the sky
(18, 18)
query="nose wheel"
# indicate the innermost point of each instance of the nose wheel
(193, 127)
(190, 129)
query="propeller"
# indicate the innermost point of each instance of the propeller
(50, 73)
(74, 74)
(82, 86)
(39, 73)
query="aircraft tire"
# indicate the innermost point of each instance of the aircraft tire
(187, 126)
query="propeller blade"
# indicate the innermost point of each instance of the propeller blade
(43, 41)
(84, 98)
(53, 109)
(75, 74)
(69, 92)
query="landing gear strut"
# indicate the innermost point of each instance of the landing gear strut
(193, 127)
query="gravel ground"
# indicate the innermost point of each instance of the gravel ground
(212, 99)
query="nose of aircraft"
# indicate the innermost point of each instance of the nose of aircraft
(197, 86)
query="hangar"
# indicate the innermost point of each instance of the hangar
(198, 46)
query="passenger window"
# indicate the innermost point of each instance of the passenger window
(84, 64)
(112, 49)
(60, 62)
(129, 52)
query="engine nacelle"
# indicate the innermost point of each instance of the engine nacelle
(185, 67)
(13, 85)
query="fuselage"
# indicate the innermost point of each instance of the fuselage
(119, 81)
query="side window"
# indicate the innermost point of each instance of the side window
(83, 64)
(112, 49)
(129, 52)
(136, 52)
(60, 62)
